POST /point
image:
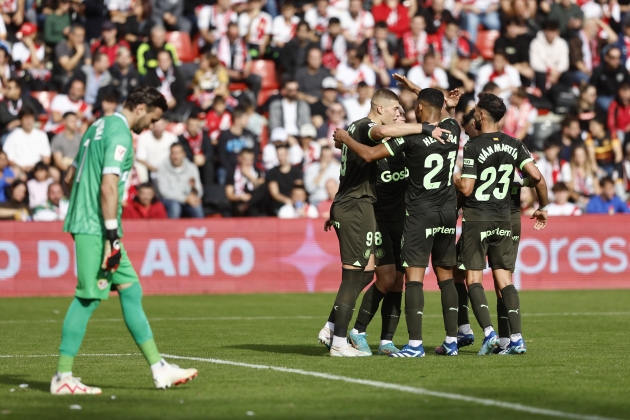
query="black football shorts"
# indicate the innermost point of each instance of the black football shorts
(387, 244)
(481, 239)
(355, 225)
(429, 235)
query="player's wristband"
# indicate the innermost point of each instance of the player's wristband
(111, 230)
(111, 224)
(544, 208)
(427, 129)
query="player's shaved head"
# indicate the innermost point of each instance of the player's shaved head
(432, 98)
(384, 106)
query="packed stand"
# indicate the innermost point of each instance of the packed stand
(255, 90)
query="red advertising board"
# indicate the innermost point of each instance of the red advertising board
(267, 255)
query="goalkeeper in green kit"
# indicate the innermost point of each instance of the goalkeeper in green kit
(97, 179)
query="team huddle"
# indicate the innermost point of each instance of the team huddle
(397, 207)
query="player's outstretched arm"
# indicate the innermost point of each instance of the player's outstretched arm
(405, 83)
(109, 206)
(381, 132)
(368, 154)
(451, 102)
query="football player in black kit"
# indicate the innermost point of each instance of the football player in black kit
(352, 216)
(490, 160)
(431, 214)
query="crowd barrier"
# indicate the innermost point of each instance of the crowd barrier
(268, 255)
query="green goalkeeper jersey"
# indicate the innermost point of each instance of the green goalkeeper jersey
(106, 148)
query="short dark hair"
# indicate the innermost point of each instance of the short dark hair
(384, 94)
(15, 80)
(282, 146)
(289, 80)
(69, 114)
(362, 85)
(492, 104)
(430, 54)
(552, 141)
(40, 166)
(380, 25)
(76, 26)
(334, 21)
(145, 185)
(98, 56)
(430, 97)
(302, 23)
(568, 120)
(551, 25)
(246, 150)
(147, 95)
(600, 119)
(606, 180)
(501, 52)
(490, 86)
(111, 96)
(559, 187)
(162, 51)
(238, 112)
(360, 52)
(177, 144)
(468, 117)
(232, 24)
(25, 112)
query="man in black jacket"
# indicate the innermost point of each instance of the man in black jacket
(14, 100)
(171, 83)
(293, 55)
(125, 78)
(608, 76)
(198, 148)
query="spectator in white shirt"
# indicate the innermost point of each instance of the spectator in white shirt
(299, 206)
(38, 186)
(72, 102)
(213, 21)
(279, 137)
(551, 167)
(359, 107)
(353, 71)
(317, 17)
(289, 112)
(357, 23)
(548, 55)
(27, 145)
(55, 208)
(500, 72)
(153, 148)
(255, 28)
(310, 149)
(318, 174)
(561, 206)
(284, 25)
(426, 75)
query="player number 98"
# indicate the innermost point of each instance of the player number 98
(378, 239)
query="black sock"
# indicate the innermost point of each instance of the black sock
(349, 290)
(513, 306)
(449, 306)
(462, 307)
(414, 306)
(390, 314)
(479, 305)
(369, 306)
(368, 276)
(502, 314)
(331, 317)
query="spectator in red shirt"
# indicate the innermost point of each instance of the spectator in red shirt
(109, 44)
(619, 112)
(145, 205)
(394, 14)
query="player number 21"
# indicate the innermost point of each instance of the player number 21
(376, 236)
(437, 159)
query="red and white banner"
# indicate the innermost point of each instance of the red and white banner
(274, 256)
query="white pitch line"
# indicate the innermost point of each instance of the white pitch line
(401, 388)
(375, 384)
(272, 318)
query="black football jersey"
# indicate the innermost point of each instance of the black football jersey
(391, 185)
(490, 159)
(357, 178)
(431, 166)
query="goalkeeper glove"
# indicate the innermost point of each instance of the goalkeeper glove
(111, 260)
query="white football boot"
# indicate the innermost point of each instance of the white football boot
(347, 351)
(170, 375)
(71, 386)
(325, 336)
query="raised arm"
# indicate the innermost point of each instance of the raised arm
(367, 153)
(381, 132)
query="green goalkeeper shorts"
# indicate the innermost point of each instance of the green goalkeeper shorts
(93, 282)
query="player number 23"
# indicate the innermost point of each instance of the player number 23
(376, 236)
(490, 175)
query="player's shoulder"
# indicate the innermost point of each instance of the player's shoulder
(363, 122)
(449, 122)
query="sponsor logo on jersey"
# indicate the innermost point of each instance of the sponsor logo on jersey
(469, 162)
(102, 284)
(119, 153)
(380, 253)
(443, 230)
(399, 140)
(497, 231)
(497, 148)
(388, 176)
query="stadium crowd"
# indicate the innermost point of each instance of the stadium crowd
(256, 88)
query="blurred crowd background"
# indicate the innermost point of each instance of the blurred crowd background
(256, 88)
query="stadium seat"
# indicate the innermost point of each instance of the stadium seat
(265, 94)
(183, 45)
(264, 136)
(267, 70)
(485, 43)
(234, 87)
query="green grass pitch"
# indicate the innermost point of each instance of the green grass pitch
(577, 362)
